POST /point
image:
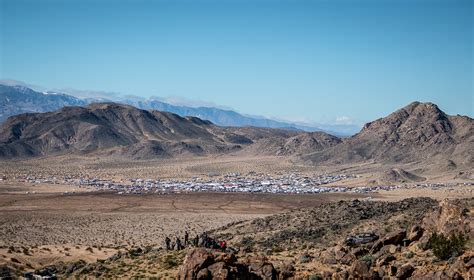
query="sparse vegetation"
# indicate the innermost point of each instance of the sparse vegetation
(446, 247)
(368, 259)
(305, 258)
(315, 277)
(172, 260)
(409, 255)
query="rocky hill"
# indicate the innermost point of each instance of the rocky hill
(293, 145)
(416, 133)
(122, 130)
(106, 127)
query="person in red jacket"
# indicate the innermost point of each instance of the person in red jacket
(223, 245)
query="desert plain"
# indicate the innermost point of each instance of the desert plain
(43, 223)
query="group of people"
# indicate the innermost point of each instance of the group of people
(198, 241)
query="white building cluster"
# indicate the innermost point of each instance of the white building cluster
(293, 183)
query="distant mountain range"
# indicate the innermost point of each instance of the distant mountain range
(417, 133)
(16, 99)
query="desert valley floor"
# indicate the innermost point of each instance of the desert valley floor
(44, 222)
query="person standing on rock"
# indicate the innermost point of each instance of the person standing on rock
(204, 239)
(179, 246)
(186, 239)
(196, 240)
(223, 245)
(168, 243)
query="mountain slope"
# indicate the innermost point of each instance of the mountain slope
(298, 144)
(417, 132)
(101, 127)
(110, 128)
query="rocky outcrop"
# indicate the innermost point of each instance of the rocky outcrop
(405, 271)
(196, 261)
(394, 238)
(416, 232)
(462, 268)
(362, 270)
(210, 264)
(450, 218)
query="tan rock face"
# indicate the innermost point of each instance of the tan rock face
(210, 264)
(394, 238)
(405, 271)
(360, 269)
(415, 233)
(450, 218)
(195, 261)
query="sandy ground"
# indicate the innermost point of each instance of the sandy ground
(108, 219)
(42, 228)
(439, 194)
(119, 169)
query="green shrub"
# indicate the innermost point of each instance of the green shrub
(315, 277)
(305, 258)
(367, 259)
(444, 247)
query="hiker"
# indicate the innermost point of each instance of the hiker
(223, 245)
(196, 240)
(214, 244)
(207, 242)
(186, 239)
(204, 239)
(179, 246)
(168, 243)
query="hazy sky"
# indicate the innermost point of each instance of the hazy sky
(298, 60)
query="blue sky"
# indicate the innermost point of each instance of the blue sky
(297, 60)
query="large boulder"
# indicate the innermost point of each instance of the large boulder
(195, 260)
(450, 218)
(202, 264)
(416, 232)
(261, 267)
(405, 271)
(339, 252)
(394, 238)
(219, 271)
(360, 269)
(328, 257)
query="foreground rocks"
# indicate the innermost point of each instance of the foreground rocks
(204, 264)
(398, 254)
